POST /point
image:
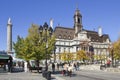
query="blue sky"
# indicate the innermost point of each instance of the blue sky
(95, 13)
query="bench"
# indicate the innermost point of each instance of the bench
(35, 68)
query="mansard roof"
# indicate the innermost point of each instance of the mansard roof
(64, 33)
(68, 33)
(94, 36)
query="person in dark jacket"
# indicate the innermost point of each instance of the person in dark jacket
(57, 66)
(53, 67)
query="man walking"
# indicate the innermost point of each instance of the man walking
(53, 67)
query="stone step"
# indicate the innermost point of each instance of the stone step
(113, 69)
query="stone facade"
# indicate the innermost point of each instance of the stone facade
(76, 38)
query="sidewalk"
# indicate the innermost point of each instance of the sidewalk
(90, 67)
(18, 75)
(96, 67)
(21, 76)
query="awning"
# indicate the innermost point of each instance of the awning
(4, 56)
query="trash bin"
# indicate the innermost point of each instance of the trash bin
(48, 75)
(102, 67)
(44, 74)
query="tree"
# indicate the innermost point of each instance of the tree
(33, 46)
(96, 57)
(66, 56)
(70, 56)
(116, 50)
(63, 56)
(22, 48)
(81, 55)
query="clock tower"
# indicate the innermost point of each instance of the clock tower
(77, 21)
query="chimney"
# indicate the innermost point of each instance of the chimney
(51, 23)
(100, 31)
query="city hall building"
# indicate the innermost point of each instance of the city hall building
(77, 38)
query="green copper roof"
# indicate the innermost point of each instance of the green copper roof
(4, 56)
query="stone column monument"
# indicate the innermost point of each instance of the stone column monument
(9, 37)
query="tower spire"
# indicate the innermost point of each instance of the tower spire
(77, 6)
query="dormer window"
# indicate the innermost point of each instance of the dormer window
(107, 40)
(64, 37)
(59, 36)
(69, 37)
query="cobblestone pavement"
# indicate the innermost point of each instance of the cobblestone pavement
(21, 76)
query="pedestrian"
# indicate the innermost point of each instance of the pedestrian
(75, 67)
(57, 66)
(26, 67)
(53, 67)
(78, 65)
(70, 70)
(64, 72)
(10, 63)
(108, 63)
(63, 64)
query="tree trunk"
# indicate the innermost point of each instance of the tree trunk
(37, 62)
(28, 64)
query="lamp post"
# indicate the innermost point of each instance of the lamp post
(54, 54)
(46, 29)
(91, 50)
(112, 53)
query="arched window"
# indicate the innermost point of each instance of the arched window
(69, 50)
(76, 48)
(64, 49)
(78, 20)
(64, 43)
(59, 50)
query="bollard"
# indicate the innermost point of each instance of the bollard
(44, 74)
(48, 75)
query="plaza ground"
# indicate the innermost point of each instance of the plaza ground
(85, 73)
(77, 75)
(21, 76)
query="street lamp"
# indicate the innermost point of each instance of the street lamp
(91, 49)
(40, 30)
(46, 29)
(54, 54)
(112, 53)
